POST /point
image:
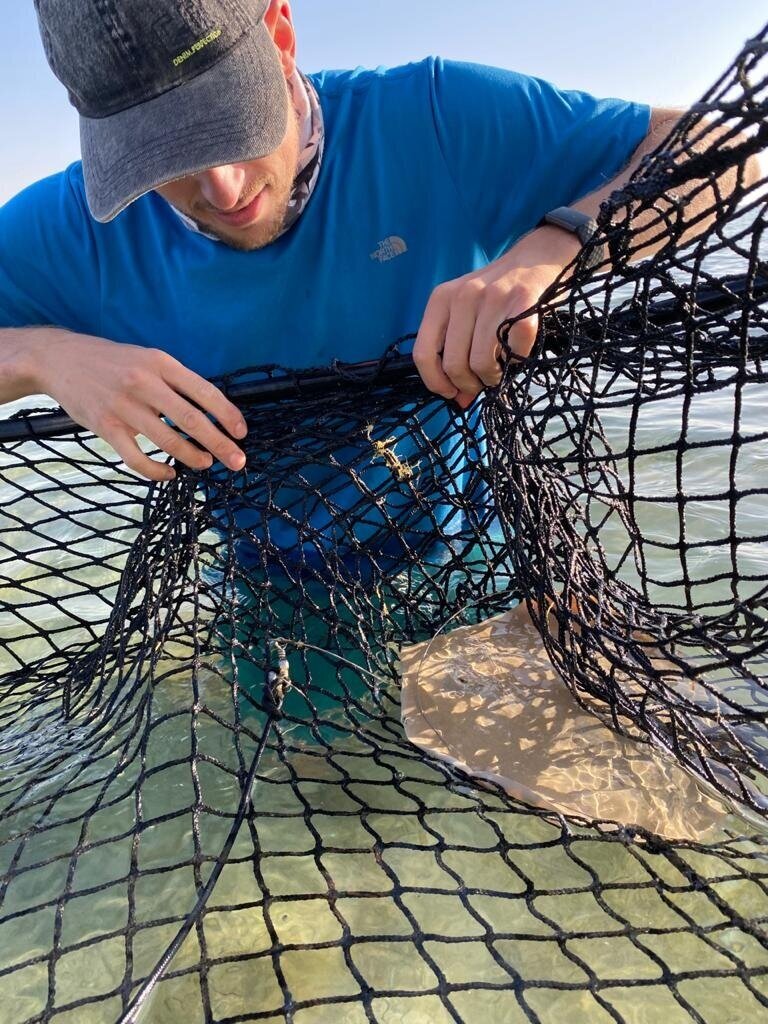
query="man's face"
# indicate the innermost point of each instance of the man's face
(243, 205)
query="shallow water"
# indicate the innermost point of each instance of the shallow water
(362, 871)
(486, 698)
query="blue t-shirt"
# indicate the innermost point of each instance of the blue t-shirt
(431, 170)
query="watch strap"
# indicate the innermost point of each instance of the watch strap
(579, 224)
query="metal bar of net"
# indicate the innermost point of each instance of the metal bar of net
(209, 810)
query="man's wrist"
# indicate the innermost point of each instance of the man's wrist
(24, 357)
(558, 247)
(580, 225)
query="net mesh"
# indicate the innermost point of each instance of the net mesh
(208, 809)
(643, 418)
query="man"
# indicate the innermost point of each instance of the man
(229, 211)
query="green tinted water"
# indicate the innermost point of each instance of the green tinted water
(372, 870)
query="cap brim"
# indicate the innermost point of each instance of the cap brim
(235, 111)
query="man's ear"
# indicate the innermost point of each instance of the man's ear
(279, 22)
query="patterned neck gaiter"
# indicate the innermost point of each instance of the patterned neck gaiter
(312, 145)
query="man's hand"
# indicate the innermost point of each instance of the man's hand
(120, 391)
(457, 351)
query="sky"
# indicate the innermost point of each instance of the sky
(665, 52)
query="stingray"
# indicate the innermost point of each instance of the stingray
(486, 699)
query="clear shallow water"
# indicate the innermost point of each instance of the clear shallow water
(379, 849)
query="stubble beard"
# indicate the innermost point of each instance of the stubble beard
(259, 235)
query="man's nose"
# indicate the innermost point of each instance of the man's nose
(222, 186)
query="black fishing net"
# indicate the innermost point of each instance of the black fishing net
(208, 808)
(642, 418)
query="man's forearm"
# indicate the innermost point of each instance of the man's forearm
(694, 201)
(22, 358)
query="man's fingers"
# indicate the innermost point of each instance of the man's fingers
(169, 440)
(486, 359)
(429, 345)
(124, 443)
(522, 336)
(458, 343)
(195, 424)
(207, 396)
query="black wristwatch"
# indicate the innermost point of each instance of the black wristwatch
(578, 224)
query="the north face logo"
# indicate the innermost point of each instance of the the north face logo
(389, 248)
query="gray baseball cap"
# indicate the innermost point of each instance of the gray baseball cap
(164, 88)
